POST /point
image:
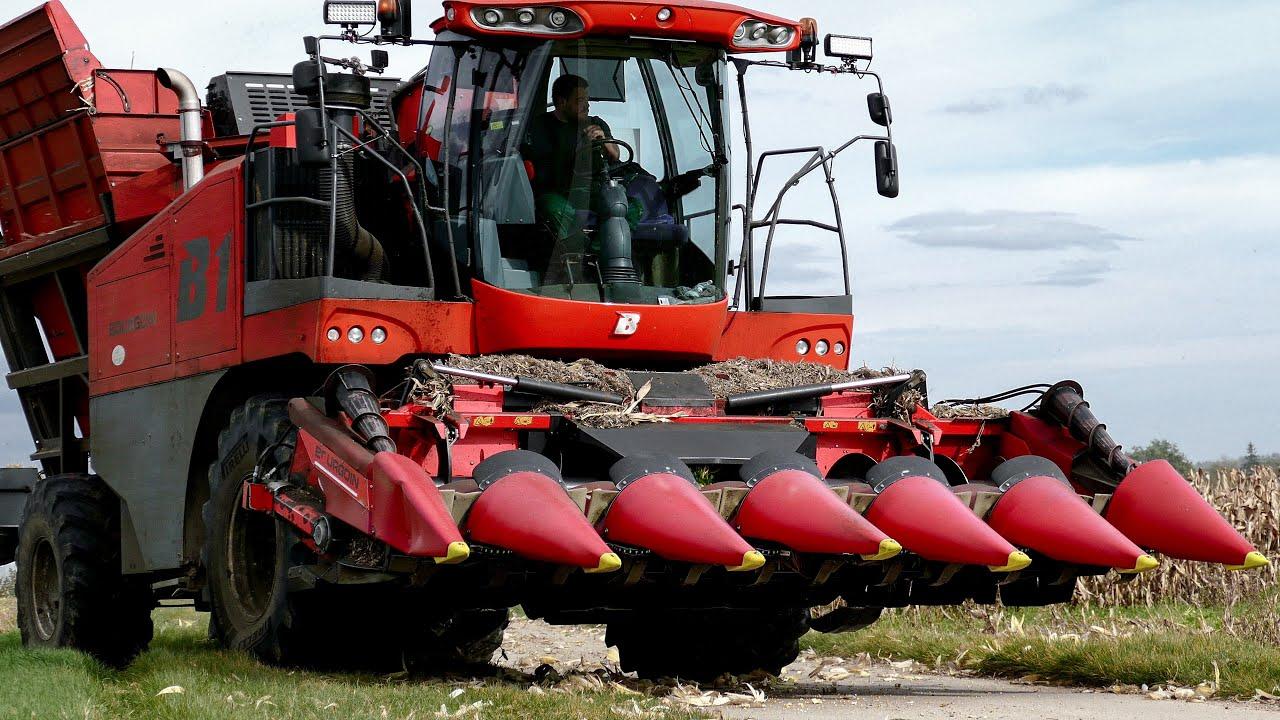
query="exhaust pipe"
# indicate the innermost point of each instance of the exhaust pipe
(192, 119)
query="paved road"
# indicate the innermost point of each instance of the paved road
(951, 698)
(885, 692)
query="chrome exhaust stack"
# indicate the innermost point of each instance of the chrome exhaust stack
(192, 119)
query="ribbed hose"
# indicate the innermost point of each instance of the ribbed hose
(350, 389)
(355, 248)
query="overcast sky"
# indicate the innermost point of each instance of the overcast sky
(1089, 191)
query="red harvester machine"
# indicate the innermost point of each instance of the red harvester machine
(242, 311)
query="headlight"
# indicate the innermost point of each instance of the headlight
(355, 335)
(762, 35)
(802, 347)
(533, 20)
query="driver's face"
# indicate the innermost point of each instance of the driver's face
(577, 105)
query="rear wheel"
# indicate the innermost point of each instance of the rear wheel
(70, 588)
(705, 644)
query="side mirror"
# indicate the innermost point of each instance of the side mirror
(310, 134)
(886, 169)
(878, 106)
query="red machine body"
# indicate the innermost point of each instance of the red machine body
(172, 310)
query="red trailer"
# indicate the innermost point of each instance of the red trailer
(264, 343)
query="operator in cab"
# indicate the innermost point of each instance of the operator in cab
(570, 162)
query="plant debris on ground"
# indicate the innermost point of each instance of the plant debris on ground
(726, 378)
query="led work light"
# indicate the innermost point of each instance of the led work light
(351, 12)
(848, 47)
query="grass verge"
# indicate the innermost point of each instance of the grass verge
(1169, 643)
(220, 684)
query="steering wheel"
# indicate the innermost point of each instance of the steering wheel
(614, 166)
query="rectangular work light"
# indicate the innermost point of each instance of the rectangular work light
(351, 12)
(849, 47)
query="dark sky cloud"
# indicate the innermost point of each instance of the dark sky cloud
(1004, 230)
(1037, 96)
(1079, 273)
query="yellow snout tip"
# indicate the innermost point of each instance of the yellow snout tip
(608, 563)
(1017, 561)
(888, 548)
(456, 553)
(1144, 563)
(750, 561)
(1252, 561)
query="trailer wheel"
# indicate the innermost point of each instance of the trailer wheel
(703, 645)
(466, 639)
(247, 555)
(71, 592)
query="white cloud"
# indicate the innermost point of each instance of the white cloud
(1143, 119)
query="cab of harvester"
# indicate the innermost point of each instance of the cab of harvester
(551, 153)
(501, 334)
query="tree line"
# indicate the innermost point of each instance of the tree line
(1161, 449)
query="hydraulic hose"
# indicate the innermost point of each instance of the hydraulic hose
(353, 244)
(350, 390)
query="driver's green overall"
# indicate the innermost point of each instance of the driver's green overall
(568, 174)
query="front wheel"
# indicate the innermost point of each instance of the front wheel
(70, 588)
(705, 644)
(247, 555)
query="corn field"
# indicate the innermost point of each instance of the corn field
(1251, 502)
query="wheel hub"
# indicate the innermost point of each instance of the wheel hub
(251, 560)
(46, 590)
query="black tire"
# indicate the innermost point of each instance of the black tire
(703, 645)
(247, 558)
(247, 555)
(70, 588)
(465, 640)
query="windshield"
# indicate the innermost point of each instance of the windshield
(554, 148)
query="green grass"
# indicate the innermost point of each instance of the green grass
(1171, 643)
(222, 684)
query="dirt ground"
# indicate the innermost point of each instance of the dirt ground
(818, 688)
(824, 688)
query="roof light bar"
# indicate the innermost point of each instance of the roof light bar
(849, 48)
(533, 20)
(350, 12)
(760, 34)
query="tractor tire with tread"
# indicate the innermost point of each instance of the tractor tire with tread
(467, 640)
(70, 587)
(247, 555)
(703, 645)
(247, 558)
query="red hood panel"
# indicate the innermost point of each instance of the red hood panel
(518, 322)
